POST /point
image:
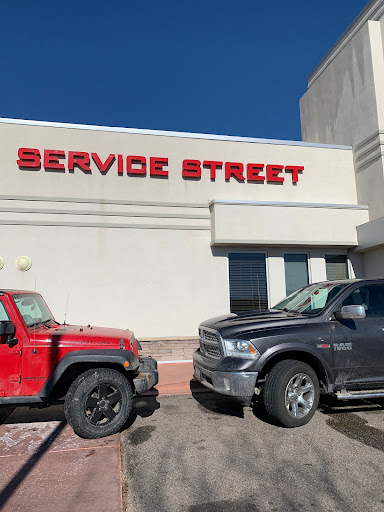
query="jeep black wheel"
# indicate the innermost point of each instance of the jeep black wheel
(98, 403)
(291, 393)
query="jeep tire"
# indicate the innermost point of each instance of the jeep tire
(291, 393)
(98, 403)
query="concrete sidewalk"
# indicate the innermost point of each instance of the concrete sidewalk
(176, 378)
(46, 467)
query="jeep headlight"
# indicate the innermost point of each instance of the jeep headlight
(240, 348)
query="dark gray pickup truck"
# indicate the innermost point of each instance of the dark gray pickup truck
(325, 338)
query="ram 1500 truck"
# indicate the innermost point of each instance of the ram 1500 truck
(324, 338)
(97, 369)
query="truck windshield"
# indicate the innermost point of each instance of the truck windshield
(311, 299)
(32, 308)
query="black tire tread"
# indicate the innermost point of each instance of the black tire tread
(73, 402)
(274, 400)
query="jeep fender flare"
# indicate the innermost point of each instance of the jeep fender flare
(295, 347)
(118, 357)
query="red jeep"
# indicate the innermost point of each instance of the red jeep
(98, 369)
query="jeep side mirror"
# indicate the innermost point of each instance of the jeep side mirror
(350, 313)
(8, 328)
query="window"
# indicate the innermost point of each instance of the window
(296, 272)
(311, 299)
(32, 308)
(3, 314)
(337, 267)
(247, 282)
(371, 297)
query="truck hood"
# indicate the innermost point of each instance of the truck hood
(234, 324)
(83, 336)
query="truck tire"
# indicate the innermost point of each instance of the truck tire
(291, 393)
(98, 403)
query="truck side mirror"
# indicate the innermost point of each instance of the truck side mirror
(350, 313)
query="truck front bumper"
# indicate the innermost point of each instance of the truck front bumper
(240, 385)
(148, 375)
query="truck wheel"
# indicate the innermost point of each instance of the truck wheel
(98, 403)
(291, 393)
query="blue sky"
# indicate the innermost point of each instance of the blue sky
(209, 66)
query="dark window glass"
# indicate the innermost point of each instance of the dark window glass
(371, 297)
(296, 272)
(247, 282)
(337, 267)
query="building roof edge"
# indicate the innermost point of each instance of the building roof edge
(373, 11)
(165, 133)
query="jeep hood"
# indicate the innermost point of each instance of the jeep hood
(84, 336)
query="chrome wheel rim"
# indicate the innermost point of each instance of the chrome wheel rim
(299, 395)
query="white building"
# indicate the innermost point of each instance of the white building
(157, 231)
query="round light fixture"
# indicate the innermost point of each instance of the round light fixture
(1, 263)
(23, 263)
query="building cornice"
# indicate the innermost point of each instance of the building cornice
(373, 11)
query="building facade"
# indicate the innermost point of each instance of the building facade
(157, 231)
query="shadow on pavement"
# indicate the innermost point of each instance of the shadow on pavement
(27, 467)
(213, 402)
(259, 411)
(35, 414)
(330, 405)
(143, 406)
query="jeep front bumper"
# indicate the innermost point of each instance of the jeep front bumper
(148, 375)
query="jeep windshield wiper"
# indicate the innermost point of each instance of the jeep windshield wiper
(49, 321)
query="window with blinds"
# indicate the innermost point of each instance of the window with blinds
(296, 272)
(336, 267)
(247, 282)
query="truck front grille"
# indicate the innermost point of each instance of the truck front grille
(212, 351)
(210, 336)
(210, 344)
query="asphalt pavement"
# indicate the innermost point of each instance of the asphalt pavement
(205, 453)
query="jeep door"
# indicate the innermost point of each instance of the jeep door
(10, 357)
(358, 344)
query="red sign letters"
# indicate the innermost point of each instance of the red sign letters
(60, 161)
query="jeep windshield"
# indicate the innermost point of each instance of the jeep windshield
(310, 300)
(33, 309)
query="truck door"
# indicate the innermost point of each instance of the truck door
(358, 345)
(10, 359)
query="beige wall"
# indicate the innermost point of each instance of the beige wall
(344, 104)
(340, 105)
(327, 177)
(135, 252)
(373, 263)
(275, 224)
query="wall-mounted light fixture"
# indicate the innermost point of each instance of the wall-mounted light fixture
(23, 263)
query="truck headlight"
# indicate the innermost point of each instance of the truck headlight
(240, 348)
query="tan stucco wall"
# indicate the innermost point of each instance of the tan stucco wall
(374, 262)
(135, 252)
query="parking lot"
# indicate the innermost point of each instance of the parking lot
(196, 452)
(204, 453)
